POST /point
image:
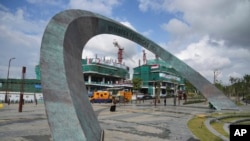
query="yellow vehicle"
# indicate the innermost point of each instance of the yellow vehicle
(101, 97)
(127, 95)
(120, 94)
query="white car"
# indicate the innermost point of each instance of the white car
(139, 96)
(163, 95)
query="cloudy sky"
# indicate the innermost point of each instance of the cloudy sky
(208, 35)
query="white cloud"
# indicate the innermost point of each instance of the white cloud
(3, 8)
(205, 57)
(20, 38)
(200, 36)
(235, 75)
(207, 35)
(145, 5)
(47, 2)
(103, 7)
(202, 53)
(176, 27)
(226, 20)
(17, 22)
(128, 24)
(102, 45)
(147, 33)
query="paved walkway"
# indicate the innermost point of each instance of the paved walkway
(130, 122)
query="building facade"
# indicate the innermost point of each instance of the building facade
(158, 71)
(31, 88)
(100, 74)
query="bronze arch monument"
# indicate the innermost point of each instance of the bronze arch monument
(69, 112)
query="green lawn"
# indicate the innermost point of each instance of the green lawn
(245, 123)
(218, 126)
(197, 127)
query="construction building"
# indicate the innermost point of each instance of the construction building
(156, 71)
(101, 73)
(13, 87)
(104, 73)
(98, 74)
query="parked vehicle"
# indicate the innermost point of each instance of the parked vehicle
(139, 96)
(127, 95)
(246, 100)
(120, 94)
(163, 95)
(144, 97)
(101, 97)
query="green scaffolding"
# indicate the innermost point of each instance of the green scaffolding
(14, 85)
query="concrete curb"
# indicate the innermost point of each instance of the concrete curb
(226, 125)
(211, 129)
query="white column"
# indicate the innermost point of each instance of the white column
(103, 80)
(89, 79)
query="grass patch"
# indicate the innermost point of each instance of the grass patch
(244, 114)
(218, 126)
(230, 119)
(194, 101)
(220, 114)
(239, 103)
(244, 123)
(197, 127)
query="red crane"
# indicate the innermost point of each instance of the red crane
(144, 57)
(120, 51)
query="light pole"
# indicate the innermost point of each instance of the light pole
(7, 83)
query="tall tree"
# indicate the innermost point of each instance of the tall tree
(190, 88)
(246, 81)
(137, 83)
(236, 84)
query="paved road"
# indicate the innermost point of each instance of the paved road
(130, 122)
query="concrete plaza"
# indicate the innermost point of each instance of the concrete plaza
(130, 122)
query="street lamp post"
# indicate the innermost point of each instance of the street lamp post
(7, 83)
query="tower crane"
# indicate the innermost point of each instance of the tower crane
(144, 57)
(120, 51)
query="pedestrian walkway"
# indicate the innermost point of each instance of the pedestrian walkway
(29, 125)
(130, 122)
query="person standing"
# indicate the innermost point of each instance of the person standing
(165, 101)
(174, 100)
(185, 97)
(113, 106)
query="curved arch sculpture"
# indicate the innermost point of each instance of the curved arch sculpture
(69, 112)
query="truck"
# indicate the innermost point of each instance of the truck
(101, 97)
(126, 95)
(120, 94)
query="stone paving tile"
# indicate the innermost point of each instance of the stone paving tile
(130, 122)
(149, 122)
